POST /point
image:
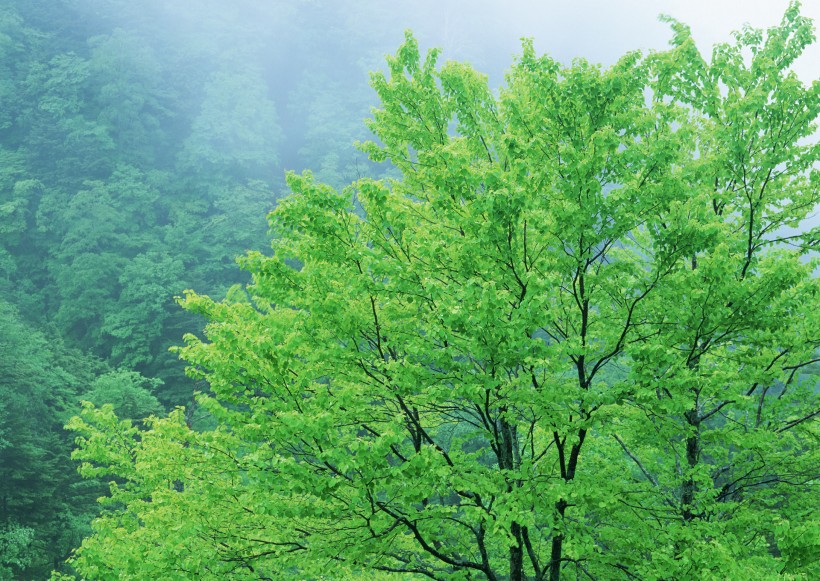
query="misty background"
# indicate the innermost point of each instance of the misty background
(315, 56)
(312, 52)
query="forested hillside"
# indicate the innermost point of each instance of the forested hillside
(563, 328)
(141, 146)
(140, 161)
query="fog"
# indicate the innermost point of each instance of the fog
(487, 33)
(296, 41)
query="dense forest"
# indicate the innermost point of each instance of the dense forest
(141, 146)
(566, 327)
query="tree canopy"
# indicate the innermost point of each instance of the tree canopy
(578, 336)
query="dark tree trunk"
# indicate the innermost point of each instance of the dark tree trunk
(508, 459)
(568, 474)
(516, 554)
(692, 457)
(557, 546)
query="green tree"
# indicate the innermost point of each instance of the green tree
(114, 286)
(15, 550)
(129, 394)
(130, 96)
(44, 509)
(572, 339)
(14, 205)
(332, 113)
(137, 321)
(236, 132)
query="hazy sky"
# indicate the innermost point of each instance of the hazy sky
(599, 30)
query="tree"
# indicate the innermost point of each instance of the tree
(128, 393)
(236, 132)
(44, 507)
(574, 338)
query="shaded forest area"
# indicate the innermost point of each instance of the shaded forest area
(141, 146)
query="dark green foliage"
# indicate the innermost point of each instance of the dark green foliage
(44, 509)
(140, 150)
(128, 392)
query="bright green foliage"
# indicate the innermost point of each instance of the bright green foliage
(572, 340)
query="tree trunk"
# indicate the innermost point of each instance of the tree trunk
(508, 459)
(557, 545)
(692, 457)
(516, 554)
(568, 474)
